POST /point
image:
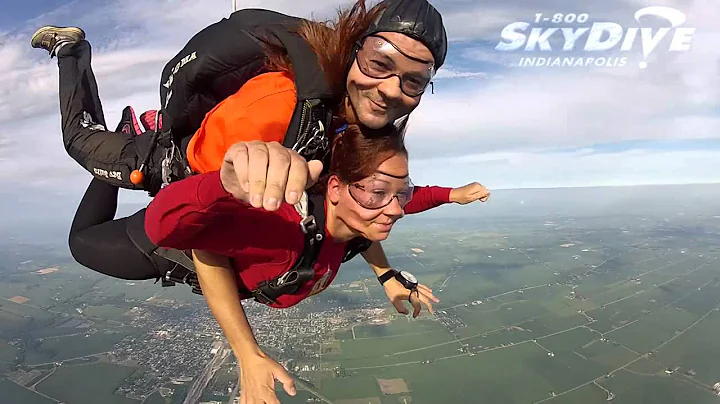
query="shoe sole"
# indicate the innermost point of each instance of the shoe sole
(37, 36)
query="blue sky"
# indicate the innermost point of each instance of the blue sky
(488, 120)
(17, 12)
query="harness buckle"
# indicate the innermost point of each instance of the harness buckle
(261, 297)
(308, 225)
(284, 277)
(182, 275)
(186, 278)
(317, 141)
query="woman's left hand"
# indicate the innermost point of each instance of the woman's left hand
(398, 295)
(469, 193)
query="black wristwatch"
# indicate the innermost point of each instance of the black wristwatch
(405, 278)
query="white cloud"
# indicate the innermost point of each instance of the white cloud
(490, 55)
(513, 112)
(568, 169)
(552, 109)
(450, 72)
(676, 97)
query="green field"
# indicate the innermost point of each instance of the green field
(379, 351)
(74, 346)
(698, 350)
(481, 377)
(606, 354)
(7, 352)
(538, 306)
(156, 398)
(87, 384)
(57, 290)
(106, 312)
(656, 390)
(301, 397)
(526, 327)
(14, 393)
(402, 326)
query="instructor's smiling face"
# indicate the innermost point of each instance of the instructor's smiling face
(377, 102)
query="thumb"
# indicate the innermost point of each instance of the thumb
(416, 305)
(287, 381)
(314, 169)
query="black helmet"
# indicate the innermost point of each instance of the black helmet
(417, 19)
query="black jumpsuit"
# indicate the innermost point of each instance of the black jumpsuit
(96, 240)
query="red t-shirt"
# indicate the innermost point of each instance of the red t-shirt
(197, 213)
(427, 197)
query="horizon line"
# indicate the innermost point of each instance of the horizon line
(716, 182)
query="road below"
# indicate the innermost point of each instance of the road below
(204, 378)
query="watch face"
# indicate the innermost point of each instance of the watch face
(407, 275)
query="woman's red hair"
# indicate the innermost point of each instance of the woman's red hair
(332, 41)
(359, 151)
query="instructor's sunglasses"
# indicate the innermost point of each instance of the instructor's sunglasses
(379, 58)
(376, 192)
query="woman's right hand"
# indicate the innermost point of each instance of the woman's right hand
(258, 373)
(263, 174)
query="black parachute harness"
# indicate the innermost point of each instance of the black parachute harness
(173, 166)
(313, 226)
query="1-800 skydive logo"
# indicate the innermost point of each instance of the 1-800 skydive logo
(601, 36)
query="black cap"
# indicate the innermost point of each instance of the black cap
(417, 19)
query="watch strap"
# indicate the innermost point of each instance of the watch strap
(387, 276)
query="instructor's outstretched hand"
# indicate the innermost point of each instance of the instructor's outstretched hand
(263, 174)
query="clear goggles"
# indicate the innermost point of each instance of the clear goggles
(379, 58)
(378, 191)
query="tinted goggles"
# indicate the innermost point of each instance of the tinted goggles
(378, 191)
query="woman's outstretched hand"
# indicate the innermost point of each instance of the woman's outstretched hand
(469, 193)
(258, 373)
(263, 174)
(398, 295)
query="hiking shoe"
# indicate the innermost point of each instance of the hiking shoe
(52, 38)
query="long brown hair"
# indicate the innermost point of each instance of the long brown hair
(332, 41)
(358, 152)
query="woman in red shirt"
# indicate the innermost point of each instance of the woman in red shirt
(363, 194)
(365, 190)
